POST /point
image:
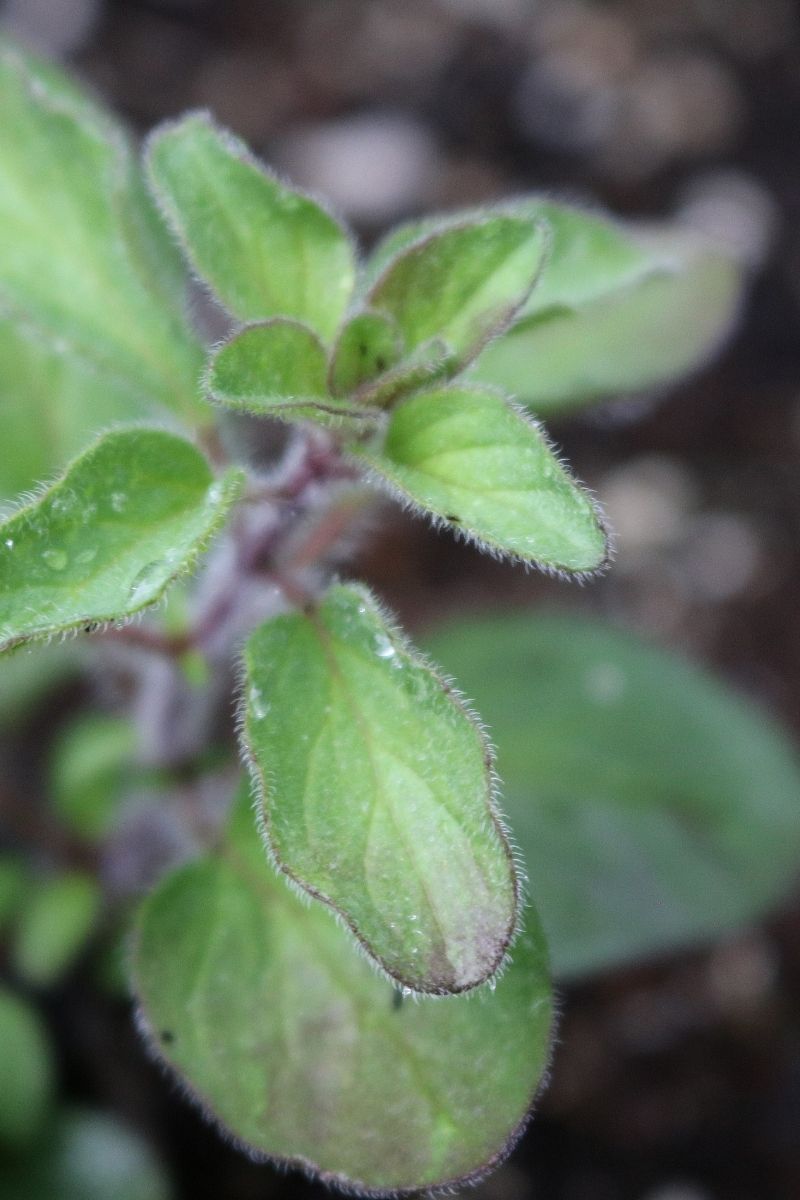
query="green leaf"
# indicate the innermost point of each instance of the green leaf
(88, 767)
(264, 249)
(53, 927)
(375, 789)
(590, 257)
(84, 1155)
(298, 1048)
(26, 1071)
(87, 273)
(367, 347)
(463, 284)
(13, 882)
(644, 336)
(654, 807)
(278, 369)
(475, 463)
(130, 515)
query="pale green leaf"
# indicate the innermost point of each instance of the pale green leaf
(89, 764)
(375, 788)
(52, 929)
(52, 403)
(264, 249)
(466, 456)
(292, 1042)
(86, 271)
(84, 1155)
(464, 284)
(367, 346)
(590, 257)
(26, 1071)
(654, 807)
(129, 515)
(644, 336)
(277, 369)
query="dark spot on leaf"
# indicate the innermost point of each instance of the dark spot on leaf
(452, 517)
(167, 1037)
(380, 363)
(397, 999)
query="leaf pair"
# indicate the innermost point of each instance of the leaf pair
(279, 262)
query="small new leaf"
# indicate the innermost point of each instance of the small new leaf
(264, 249)
(375, 788)
(129, 515)
(463, 284)
(285, 1034)
(277, 369)
(368, 346)
(469, 458)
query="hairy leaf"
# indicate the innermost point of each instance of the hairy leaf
(643, 336)
(654, 807)
(464, 284)
(278, 369)
(470, 459)
(368, 346)
(87, 273)
(264, 249)
(376, 792)
(26, 1071)
(129, 515)
(298, 1048)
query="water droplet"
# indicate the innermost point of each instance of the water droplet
(9, 543)
(145, 585)
(118, 501)
(258, 705)
(86, 556)
(55, 559)
(383, 647)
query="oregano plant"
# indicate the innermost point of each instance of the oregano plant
(346, 974)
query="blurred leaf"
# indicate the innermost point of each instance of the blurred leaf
(376, 795)
(88, 277)
(13, 881)
(266, 251)
(85, 1156)
(463, 284)
(644, 336)
(590, 257)
(29, 676)
(368, 345)
(87, 771)
(130, 515)
(466, 456)
(654, 808)
(298, 1048)
(278, 369)
(55, 923)
(26, 1072)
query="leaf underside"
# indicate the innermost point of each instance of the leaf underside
(376, 792)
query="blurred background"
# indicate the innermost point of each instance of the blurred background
(673, 1081)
